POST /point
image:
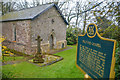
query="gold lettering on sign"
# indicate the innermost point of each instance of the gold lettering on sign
(91, 30)
(91, 43)
(92, 59)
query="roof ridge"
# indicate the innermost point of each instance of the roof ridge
(33, 7)
(28, 8)
(29, 14)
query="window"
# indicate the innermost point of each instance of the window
(52, 21)
(14, 32)
(62, 45)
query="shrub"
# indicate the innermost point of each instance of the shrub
(117, 64)
(72, 34)
(5, 51)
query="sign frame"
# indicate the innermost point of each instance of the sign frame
(112, 67)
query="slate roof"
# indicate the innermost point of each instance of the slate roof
(29, 14)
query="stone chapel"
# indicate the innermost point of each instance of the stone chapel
(21, 28)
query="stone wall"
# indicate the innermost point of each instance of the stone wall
(14, 45)
(22, 31)
(45, 47)
(43, 26)
(61, 44)
(22, 42)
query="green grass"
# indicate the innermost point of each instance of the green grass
(62, 69)
(12, 58)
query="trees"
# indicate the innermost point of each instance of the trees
(107, 19)
(79, 13)
(6, 7)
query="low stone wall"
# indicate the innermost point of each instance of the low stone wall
(61, 44)
(18, 47)
(13, 45)
(31, 50)
(44, 48)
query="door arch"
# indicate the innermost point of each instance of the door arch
(51, 41)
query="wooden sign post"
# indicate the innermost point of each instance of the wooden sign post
(95, 54)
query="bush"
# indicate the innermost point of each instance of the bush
(117, 64)
(72, 34)
(6, 52)
(71, 39)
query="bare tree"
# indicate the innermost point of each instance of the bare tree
(7, 7)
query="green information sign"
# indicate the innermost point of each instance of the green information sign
(95, 54)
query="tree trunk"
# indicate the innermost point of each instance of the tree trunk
(84, 24)
(77, 19)
(119, 23)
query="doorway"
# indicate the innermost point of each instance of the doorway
(51, 42)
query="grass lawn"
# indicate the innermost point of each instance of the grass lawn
(62, 69)
(12, 58)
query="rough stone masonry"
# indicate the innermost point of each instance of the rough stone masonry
(22, 27)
